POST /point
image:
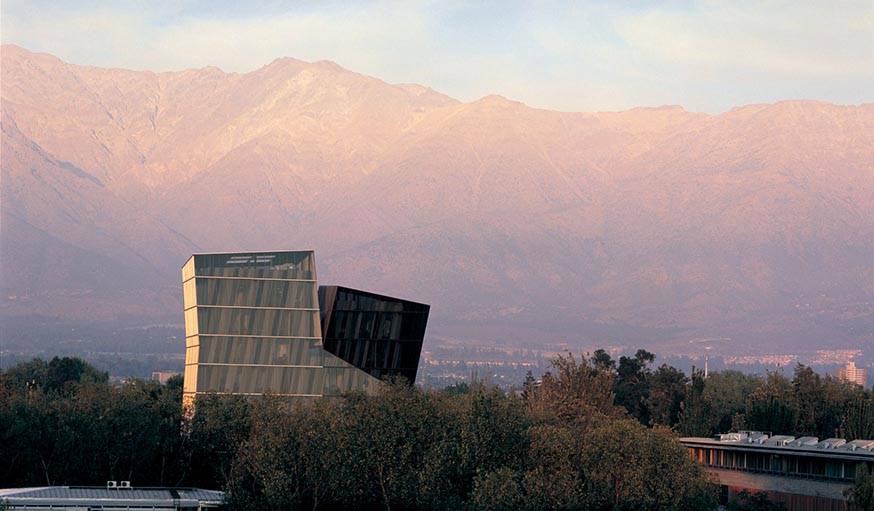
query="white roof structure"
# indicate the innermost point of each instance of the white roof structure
(861, 450)
(96, 497)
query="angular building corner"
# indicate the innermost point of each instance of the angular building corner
(258, 323)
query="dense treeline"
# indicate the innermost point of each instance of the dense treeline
(804, 404)
(593, 434)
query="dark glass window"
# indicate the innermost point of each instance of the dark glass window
(279, 265)
(378, 334)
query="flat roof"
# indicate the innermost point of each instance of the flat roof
(375, 295)
(245, 252)
(112, 497)
(834, 448)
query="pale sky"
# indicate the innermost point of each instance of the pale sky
(582, 56)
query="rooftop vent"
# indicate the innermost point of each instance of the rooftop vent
(805, 441)
(732, 437)
(867, 445)
(831, 443)
(780, 440)
(756, 437)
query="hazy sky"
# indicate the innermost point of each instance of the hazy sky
(706, 56)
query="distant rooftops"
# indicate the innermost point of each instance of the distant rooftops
(111, 496)
(810, 444)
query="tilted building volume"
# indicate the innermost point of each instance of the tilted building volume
(258, 323)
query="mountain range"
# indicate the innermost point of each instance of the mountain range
(651, 226)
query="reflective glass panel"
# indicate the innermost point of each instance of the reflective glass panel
(260, 350)
(256, 293)
(270, 322)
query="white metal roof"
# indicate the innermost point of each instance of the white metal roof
(169, 498)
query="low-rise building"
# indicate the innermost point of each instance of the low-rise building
(113, 496)
(803, 473)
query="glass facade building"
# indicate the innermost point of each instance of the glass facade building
(378, 334)
(254, 324)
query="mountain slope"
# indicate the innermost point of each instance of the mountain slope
(650, 224)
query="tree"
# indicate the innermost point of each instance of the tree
(602, 360)
(289, 461)
(62, 371)
(667, 394)
(858, 419)
(457, 389)
(627, 466)
(53, 376)
(758, 501)
(727, 392)
(574, 392)
(807, 387)
(499, 490)
(861, 495)
(212, 438)
(632, 384)
(771, 407)
(696, 416)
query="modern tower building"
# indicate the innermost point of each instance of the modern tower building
(254, 324)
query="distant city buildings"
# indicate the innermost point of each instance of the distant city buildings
(828, 357)
(801, 473)
(851, 373)
(163, 377)
(778, 360)
(258, 323)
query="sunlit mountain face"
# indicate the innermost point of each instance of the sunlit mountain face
(650, 225)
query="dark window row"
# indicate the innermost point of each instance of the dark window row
(782, 464)
(377, 325)
(360, 301)
(281, 265)
(376, 354)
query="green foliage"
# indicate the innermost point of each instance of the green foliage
(667, 395)
(574, 392)
(726, 392)
(458, 389)
(861, 495)
(212, 438)
(759, 501)
(632, 385)
(696, 415)
(807, 404)
(592, 434)
(88, 432)
(858, 418)
(57, 375)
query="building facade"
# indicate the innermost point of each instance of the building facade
(254, 325)
(802, 473)
(853, 374)
(380, 335)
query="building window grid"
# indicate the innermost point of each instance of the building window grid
(791, 465)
